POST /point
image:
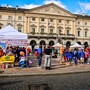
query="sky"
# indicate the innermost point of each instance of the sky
(74, 6)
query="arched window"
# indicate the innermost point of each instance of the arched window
(33, 43)
(79, 42)
(51, 43)
(42, 42)
(86, 44)
(68, 44)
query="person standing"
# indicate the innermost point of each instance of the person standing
(86, 57)
(39, 51)
(48, 55)
(70, 55)
(75, 53)
(61, 54)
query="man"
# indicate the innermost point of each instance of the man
(48, 53)
(39, 56)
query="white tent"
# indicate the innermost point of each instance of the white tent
(10, 33)
(57, 45)
(11, 36)
(76, 45)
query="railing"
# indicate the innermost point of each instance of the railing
(51, 35)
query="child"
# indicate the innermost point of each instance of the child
(22, 59)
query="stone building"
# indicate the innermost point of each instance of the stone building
(48, 24)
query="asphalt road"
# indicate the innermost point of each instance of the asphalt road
(80, 81)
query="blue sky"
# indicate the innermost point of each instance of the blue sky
(74, 6)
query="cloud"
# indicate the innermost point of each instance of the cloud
(6, 5)
(58, 2)
(29, 6)
(85, 7)
(77, 11)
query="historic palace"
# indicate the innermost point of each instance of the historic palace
(48, 24)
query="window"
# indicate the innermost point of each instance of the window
(67, 32)
(33, 30)
(42, 19)
(78, 22)
(85, 23)
(67, 21)
(59, 21)
(0, 16)
(42, 30)
(60, 31)
(51, 30)
(33, 19)
(51, 20)
(85, 33)
(78, 33)
(20, 29)
(10, 17)
(19, 17)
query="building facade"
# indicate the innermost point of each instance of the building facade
(48, 24)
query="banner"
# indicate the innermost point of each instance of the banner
(3, 45)
(7, 59)
(15, 42)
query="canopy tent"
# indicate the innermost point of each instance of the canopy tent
(57, 45)
(76, 45)
(11, 36)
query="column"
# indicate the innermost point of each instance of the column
(38, 25)
(64, 27)
(55, 31)
(47, 25)
(28, 25)
(25, 25)
(73, 27)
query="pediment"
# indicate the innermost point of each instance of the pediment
(60, 27)
(52, 9)
(42, 26)
(1, 24)
(68, 28)
(33, 25)
(79, 28)
(19, 24)
(86, 29)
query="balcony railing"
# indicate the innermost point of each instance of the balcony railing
(32, 34)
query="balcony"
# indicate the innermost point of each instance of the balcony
(43, 35)
(51, 35)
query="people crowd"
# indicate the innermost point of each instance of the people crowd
(19, 53)
(76, 55)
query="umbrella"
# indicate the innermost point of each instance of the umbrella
(58, 45)
(76, 45)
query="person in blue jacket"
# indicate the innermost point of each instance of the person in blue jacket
(70, 56)
(39, 56)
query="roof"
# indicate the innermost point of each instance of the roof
(82, 16)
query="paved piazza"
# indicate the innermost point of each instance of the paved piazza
(80, 81)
